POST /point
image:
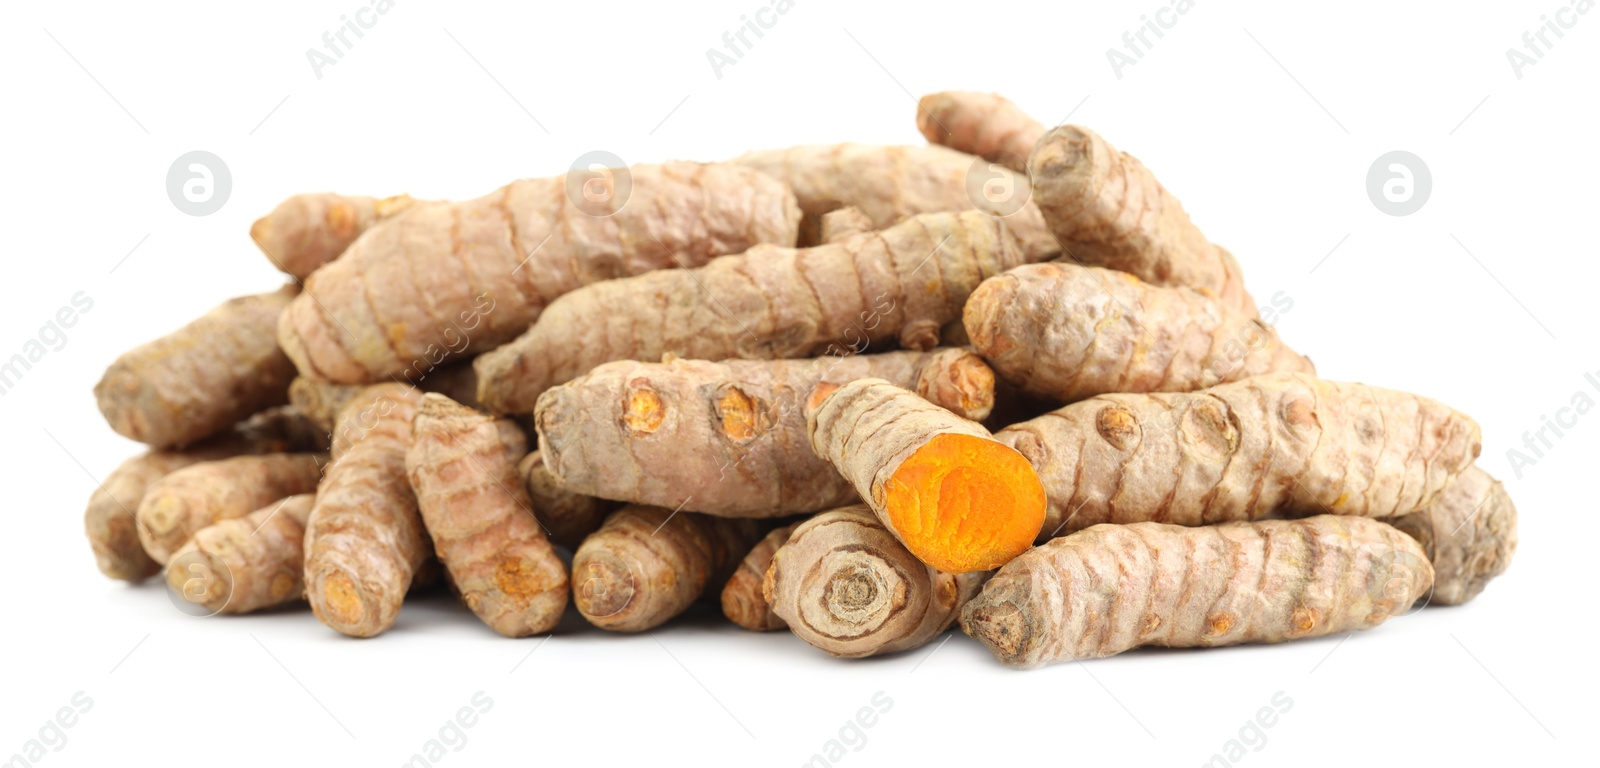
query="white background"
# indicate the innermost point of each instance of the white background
(1262, 118)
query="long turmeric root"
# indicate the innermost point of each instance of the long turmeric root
(567, 516)
(1110, 588)
(1066, 332)
(647, 564)
(984, 124)
(959, 499)
(1469, 533)
(306, 231)
(843, 583)
(181, 504)
(449, 280)
(1280, 443)
(246, 563)
(742, 600)
(463, 467)
(726, 438)
(1109, 211)
(202, 378)
(365, 539)
(769, 303)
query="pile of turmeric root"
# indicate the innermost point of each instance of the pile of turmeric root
(863, 393)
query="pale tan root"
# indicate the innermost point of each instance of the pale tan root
(179, 505)
(984, 124)
(246, 563)
(860, 294)
(647, 564)
(1065, 332)
(365, 539)
(568, 517)
(726, 438)
(957, 498)
(742, 601)
(445, 281)
(843, 583)
(1283, 443)
(1108, 210)
(306, 231)
(201, 379)
(321, 401)
(1469, 533)
(842, 223)
(463, 468)
(1111, 588)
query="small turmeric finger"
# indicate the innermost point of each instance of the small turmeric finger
(1469, 533)
(984, 124)
(309, 230)
(179, 505)
(742, 601)
(246, 563)
(566, 515)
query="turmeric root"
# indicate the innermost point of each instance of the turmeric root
(288, 425)
(567, 517)
(321, 401)
(1469, 533)
(984, 124)
(307, 231)
(462, 466)
(727, 438)
(1066, 332)
(449, 280)
(960, 500)
(769, 303)
(742, 601)
(841, 223)
(364, 538)
(844, 584)
(202, 378)
(1280, 443)
(893, 184)
(647, 564)
(182, 503)
(247, 563)
(1108, 210)
(1110, 588)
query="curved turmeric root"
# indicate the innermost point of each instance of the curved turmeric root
(247, 563)
(306, 231)
(1111, 588)
(364, 539)
(959, 499)
(647, 564)
(1469, 533)
(202, 378)
(1109, 211)
(567, 516)
(742, 601)
(181, 504)
(1280, 443)
(1065, 332)
(844, 584)
(462, 466)
(984, 124)
(726, 438)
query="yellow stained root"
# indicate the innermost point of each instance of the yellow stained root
(180, 504)
(309, 230)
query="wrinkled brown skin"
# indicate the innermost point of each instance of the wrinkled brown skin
(463, 469)
(1108, 210)
(365, 539)
(247, 563)
(984, 124)
(893, 184)
(307, 231)
(1111, 588)
(648, 564)
(445, 281)
(1469, 534)
(179, 505)
(567, 517)
(843, 583)
(728, 438)
(321, 401)
(1284, 443)
(202, 378)
(1064, 332)
(865, 292)
(742, 601)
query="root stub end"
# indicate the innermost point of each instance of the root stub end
(604, 588)
(998, 623)
(962, 503)
(344, 607)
